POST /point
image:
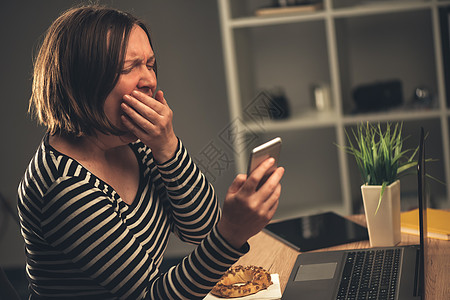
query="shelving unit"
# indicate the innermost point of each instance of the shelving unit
(344, 45)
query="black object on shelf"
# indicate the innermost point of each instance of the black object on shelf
(279, 105)
(378, 96)
(423, 97)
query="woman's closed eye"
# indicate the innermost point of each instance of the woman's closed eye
(127, 70)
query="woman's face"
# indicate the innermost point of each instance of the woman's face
(138, 74)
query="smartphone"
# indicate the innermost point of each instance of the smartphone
(259, 154)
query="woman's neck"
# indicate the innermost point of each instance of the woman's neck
(88, 148)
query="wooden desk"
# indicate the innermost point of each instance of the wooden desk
(277, 257)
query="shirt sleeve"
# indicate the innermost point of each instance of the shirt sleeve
(194, 206)
(196, 275)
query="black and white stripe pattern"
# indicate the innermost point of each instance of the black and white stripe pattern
(82, 241)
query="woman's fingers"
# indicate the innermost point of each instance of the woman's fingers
(142, 102)
(257, 175)
(149, 114)
(138, 111)
(132, 126)
(159, 95)
(271, 202)
(272, 181)
(145, 122)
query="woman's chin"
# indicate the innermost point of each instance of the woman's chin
(128, 138)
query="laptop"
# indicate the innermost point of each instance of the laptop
(343, 275)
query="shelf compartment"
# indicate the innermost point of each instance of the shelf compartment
(380, 48)
(297, 66)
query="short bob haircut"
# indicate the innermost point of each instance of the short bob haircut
(77, 66)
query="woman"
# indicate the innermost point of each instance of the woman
(111, 179)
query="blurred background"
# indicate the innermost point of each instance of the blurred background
(187, 40)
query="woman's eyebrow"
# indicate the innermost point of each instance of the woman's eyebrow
(137, 60)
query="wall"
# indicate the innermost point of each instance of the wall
(186, 38)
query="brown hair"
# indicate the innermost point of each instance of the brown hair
(78, 64)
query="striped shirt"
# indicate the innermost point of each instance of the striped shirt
(82, 241)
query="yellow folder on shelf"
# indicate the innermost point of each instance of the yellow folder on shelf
(268, 11)
(438, 222)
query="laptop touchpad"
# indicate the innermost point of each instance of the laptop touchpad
(316, 271)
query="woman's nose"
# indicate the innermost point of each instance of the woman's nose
(147, 81)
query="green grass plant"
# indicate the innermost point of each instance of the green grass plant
(379, 154)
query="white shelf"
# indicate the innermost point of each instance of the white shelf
(381, 7)
(309, 119)
(314, 119)
(409, 115)
(276, 20)
(328, 46)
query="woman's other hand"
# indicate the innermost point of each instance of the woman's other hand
(246, 209)
(150, 120)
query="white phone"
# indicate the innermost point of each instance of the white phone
(259, 154)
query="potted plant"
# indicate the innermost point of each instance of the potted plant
(381, 160)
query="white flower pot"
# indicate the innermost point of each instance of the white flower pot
(383, 225)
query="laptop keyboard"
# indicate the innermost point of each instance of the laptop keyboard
(370, 274)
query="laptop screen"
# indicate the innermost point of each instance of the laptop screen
(422, 215)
